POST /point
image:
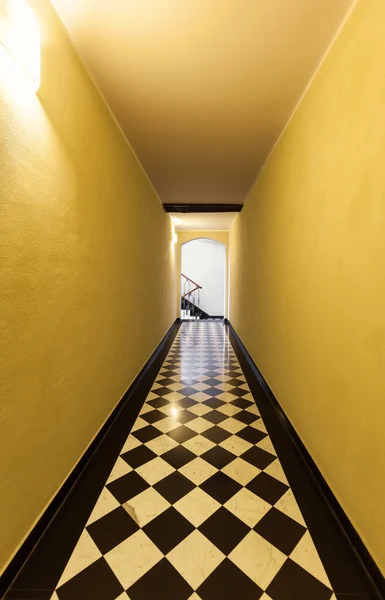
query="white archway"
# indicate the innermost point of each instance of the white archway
(204, 261)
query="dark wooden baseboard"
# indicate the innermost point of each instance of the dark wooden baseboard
(370, 581)
(105, 447)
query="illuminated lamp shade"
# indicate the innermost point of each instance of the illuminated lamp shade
(20, 36)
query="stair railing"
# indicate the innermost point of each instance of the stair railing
(191, 293)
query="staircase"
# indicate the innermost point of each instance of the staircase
(190, 300)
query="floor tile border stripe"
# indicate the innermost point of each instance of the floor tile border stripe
(104, 445)
(295, 452)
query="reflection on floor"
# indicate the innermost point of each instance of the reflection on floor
(197, 505)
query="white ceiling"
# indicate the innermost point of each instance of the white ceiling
(202, 88)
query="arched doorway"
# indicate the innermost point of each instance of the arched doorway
(203, 279)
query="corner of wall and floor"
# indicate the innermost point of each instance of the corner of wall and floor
(84, 244)
(307, 253)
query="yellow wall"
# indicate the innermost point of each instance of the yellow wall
(307, 261)
(187, 236)
(84, 244)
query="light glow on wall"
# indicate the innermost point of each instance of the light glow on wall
(20, 36)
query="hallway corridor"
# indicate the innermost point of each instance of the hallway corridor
(197, 505)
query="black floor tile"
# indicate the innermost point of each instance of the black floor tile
(158, 402)
(216, 434)
(168, 529)
(127, 487)
(218, 457)
(214, 402)
(185, 416)
(188, 391)
(165, 382)
(224, 530)
(181, 434)
(174, 487)
(215, 417)
(233, 373)
(242, 403)
(239, 392)
(212, 381)
(162, 582)
(97, 582)
(246, 417)
(252, 435)
(188, 381)
(268, 488)
(178, 457)
(280, 530)
(213, 391)
(169, 373)
(258, 457)
(162, 391)
(227, 582)
(294, 582)
(112, 529)
(153, 416)
(212, 373)
(138, 456)
(221, 487)
(145, 434)
(187, 402)
(235, 382)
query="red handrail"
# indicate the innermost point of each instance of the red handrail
(194, 282)
(191, 291)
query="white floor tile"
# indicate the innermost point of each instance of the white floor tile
(306, 555)
(248, 507)
(197, 506)
(166, 425)
(198, 470)
(130, 443)
(119, 469)
(195, 558)
(259, 559)
(200, 409)
(275, 470)
(161, 444)
(198, 445)
(236, 445)
(85, 553)
(199, 425)
(266, 444)
(200, 397)
(288, 505)
(229, 409)
(259, 425)
(232, 425)
(144, 507)
(139, 424)
(105, 504)
(241, 471)
(155, 470)
(133, 558)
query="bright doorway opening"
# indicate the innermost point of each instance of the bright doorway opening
(203, 279)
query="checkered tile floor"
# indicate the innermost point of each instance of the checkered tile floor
(197, 505)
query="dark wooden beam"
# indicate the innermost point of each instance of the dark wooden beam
(202, 208)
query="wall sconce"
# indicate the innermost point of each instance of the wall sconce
(20, 36)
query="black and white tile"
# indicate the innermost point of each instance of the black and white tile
(197, 505)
